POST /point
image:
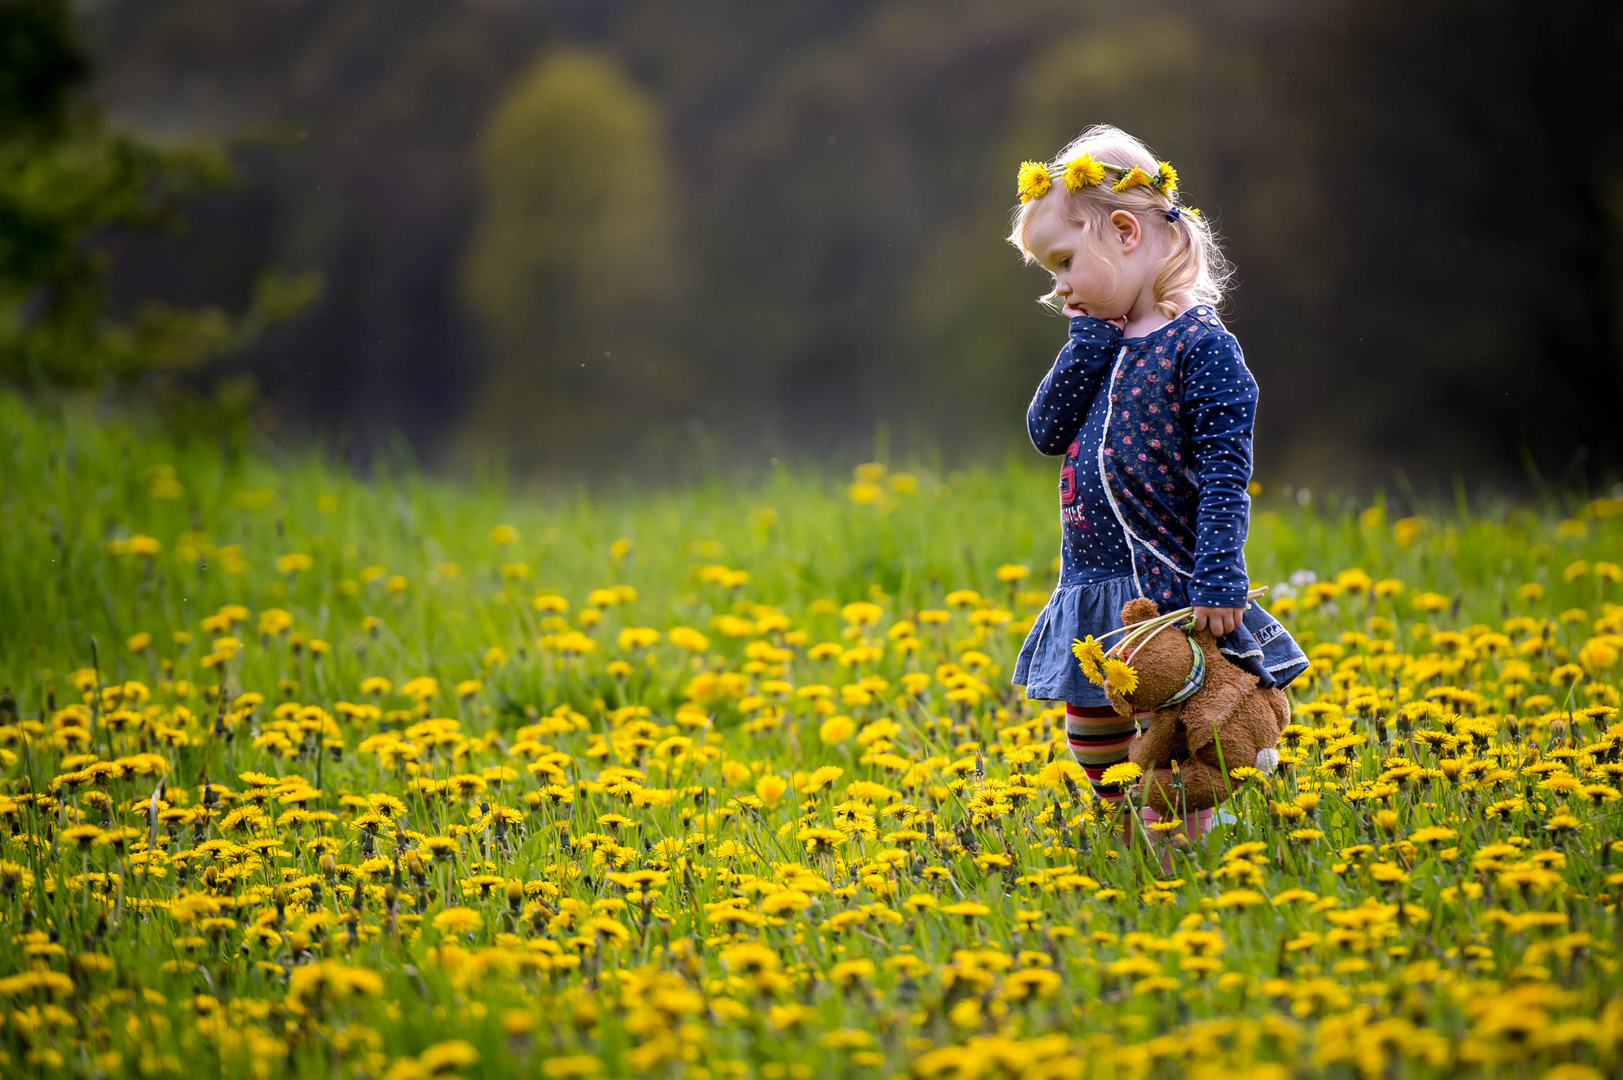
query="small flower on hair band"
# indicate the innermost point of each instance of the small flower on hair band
(1033, 180)
(1083, 171)
(1165, 178)
(1134, 177)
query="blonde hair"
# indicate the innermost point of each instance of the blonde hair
(1194, 265)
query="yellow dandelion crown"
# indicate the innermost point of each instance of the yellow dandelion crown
(1085, 171)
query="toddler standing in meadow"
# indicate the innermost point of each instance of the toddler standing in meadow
(1152, 407)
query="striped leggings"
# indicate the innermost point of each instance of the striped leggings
(1099, 737)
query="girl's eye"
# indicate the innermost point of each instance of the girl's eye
(1065, 263)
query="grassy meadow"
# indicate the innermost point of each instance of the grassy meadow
(307, 775)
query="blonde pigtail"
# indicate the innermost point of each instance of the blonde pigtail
(1196, 266)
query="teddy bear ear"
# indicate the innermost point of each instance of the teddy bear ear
(1138, 609)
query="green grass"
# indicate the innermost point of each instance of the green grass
(1507, 925)
(73, 483)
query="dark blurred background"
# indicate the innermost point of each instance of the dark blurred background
(613, 235)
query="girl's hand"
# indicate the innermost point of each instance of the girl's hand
(1071, 311)
(1219, 620)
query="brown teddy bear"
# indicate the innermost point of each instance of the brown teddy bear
(1229, 721)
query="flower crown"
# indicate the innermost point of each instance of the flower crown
(1084, 171)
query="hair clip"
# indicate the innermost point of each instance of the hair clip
(1173, 214)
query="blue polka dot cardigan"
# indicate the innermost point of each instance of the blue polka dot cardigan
(1155, 432)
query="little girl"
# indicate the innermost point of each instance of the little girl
(1151, 404)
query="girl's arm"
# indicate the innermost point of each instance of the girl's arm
(1063, 397)
(1220, 406)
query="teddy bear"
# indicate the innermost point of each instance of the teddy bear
(1228, 722)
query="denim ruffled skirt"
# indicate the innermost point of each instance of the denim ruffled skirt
(1049, 671)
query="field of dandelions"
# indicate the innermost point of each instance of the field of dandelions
(304, 775)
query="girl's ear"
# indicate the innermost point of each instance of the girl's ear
(1127, 230)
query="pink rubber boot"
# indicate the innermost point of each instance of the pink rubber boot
(1201, 825)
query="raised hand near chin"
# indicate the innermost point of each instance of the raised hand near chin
(1071, 311)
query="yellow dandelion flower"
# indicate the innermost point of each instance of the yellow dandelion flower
(1166, 178)
(1134, 178)
(1032, 982)
(445, 1057)
(837, 729)
(1123, 772)
(823, 776)
(1091, 655)
(1120, 676)
(685, 637)
(1033, 180)
(850, 972)
(967, 908)
(770, 789)
(458, 920)
(1083, 171)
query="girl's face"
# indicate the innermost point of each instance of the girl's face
(1090, 271)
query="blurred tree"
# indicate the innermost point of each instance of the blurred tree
(573, 265)
(65, 178)
(1420, 198)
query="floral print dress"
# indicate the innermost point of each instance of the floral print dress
(1155, 432)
